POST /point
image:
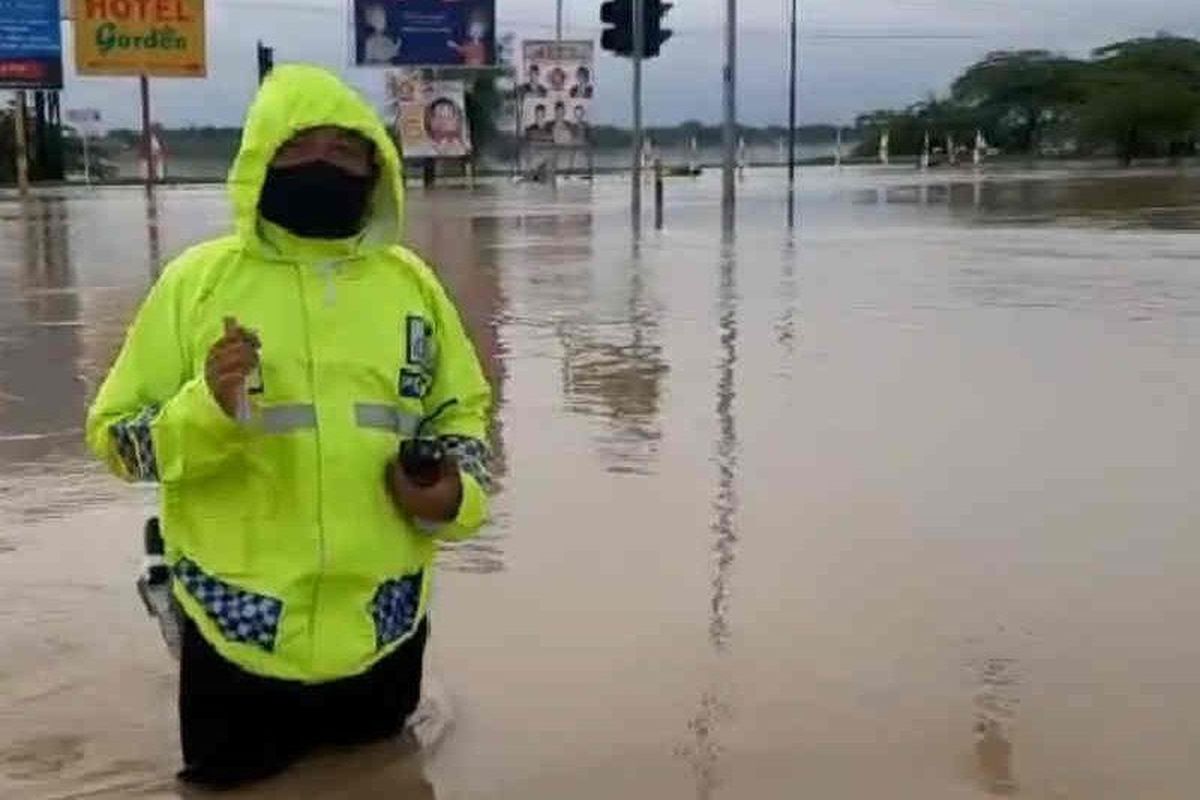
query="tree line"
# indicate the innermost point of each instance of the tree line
(1130, 99)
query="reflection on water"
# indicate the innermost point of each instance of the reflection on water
(153, 237)
(614, 369)
(39, 323)
(703, 753)
(725, 504)
(996, 705)
(1118, 201)
(785, 325)
(705, 750)
(459, 246)
(56, 340)
(41, 390)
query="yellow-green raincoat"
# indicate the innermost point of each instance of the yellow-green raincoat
(286, 549)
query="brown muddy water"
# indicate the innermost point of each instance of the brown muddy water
(901, 505)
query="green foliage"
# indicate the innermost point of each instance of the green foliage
(483, 101)
(1132, 98)
(1018, 94)
(1144, 97)
(485, 98)
(8, 170)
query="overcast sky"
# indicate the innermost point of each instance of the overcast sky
(855, 54)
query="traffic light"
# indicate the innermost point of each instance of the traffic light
(617, 36)
(266, 61)
(654, 11)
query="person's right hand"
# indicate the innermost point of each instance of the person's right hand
(230, 361)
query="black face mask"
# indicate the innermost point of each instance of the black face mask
(315, 200)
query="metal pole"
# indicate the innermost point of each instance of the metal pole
(518, 133)
(87, 157)
(147, 143)
(558, 20)
(728, 182)
(658, 194)
(792, 119)
(22, 145)
(639, 47)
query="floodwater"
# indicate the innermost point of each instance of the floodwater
(900, 505)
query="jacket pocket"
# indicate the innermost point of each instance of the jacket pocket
(394, 608)
(241, 615)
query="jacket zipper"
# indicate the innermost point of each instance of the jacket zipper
(312, 388)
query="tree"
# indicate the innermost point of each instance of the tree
(1164, 57)
(905, 130)
(937, 118)
(1144, 97)
(483, 102)
(1017, 94)
(486, 97)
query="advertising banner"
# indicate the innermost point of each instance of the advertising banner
(30, 45)
(159, 38)
(556, 90)
(459, 33)
(430, 115)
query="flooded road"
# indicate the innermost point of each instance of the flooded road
(899, 505)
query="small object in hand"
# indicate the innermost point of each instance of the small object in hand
(422, 460)
(422, 457)
(252, 384)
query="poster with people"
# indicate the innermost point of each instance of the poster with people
(430, 115)
(557, 86)
(458, 33)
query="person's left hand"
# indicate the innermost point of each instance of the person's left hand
(437, 503)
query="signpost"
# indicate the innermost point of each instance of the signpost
(21, 144)
(87, 122)
(163, 38)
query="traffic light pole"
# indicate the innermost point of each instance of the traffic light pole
(728, 183)
(791, 201)
(639, 47)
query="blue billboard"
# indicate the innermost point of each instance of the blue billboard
(30, 44)
(459, 33)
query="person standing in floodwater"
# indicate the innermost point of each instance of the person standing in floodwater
(266, 384)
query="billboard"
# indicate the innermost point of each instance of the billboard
(458, 33)
(30, 45)
(556, 93)
(430, 115)
(160, 38)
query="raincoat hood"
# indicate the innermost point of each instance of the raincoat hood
(294, 98)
